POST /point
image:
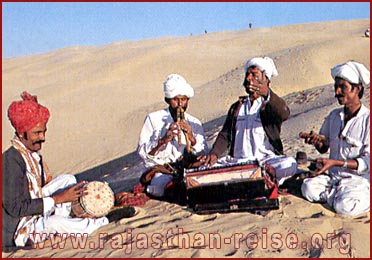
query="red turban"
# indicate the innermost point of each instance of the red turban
(27, 113)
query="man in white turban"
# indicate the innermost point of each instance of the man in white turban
(165, 136)
(343, 180)
(253, 124)
(176, 85)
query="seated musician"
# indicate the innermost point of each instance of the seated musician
(343, 180)
(167, 134)
(253, 124)
(33, 203)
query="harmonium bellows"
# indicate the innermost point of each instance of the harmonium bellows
(235, 187)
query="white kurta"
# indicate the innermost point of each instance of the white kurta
(155, 127)
(250, 139)
(251, 142)
(347, 190)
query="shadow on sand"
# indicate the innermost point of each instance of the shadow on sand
(124, 172)
(121, 173)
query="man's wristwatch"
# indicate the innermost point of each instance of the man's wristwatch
(345, 164)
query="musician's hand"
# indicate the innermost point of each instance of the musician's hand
(187, 129)
(260, 86)
(171, 133)
(326, 164)
(71, 194)
(319, 141)
(208, 160)
(313, 138)
(322, 165)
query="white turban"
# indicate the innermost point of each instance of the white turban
(353, 72)
(176, 85)
(263, 64)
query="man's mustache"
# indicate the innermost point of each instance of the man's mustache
(38, 142)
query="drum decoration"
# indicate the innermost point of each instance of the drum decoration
(98, 201)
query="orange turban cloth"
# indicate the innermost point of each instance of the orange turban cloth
(27, 113)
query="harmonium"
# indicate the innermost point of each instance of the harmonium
(235, 187)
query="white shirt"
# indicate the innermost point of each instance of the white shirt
(155, 127)
(350, 141)
(251, 141)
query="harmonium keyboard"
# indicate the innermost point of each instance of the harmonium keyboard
(234, 187)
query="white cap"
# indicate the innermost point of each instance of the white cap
(353, 72)
(263, 64)
(176, 85)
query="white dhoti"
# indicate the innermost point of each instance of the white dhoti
(349, 196)
(158, 184)
(58, 220)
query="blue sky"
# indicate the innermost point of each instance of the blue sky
(31, 28)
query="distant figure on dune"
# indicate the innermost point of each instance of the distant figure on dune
(169, 139)
(366, 33)
(205, 31)
(253, 123)
(250, 25)
(345, 134)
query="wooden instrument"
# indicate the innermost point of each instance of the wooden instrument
(234, 187)
(98, 202)
(181, 118)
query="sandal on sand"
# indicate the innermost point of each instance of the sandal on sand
(121, 212)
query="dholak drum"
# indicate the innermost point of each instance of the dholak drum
(97, 203)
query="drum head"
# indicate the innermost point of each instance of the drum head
(99, 200)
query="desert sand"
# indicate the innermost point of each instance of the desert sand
(99, 96)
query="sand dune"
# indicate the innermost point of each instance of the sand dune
(99, 96)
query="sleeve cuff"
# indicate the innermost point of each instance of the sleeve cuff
(48, 204)
(362, 166)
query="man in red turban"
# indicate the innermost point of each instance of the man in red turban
(32, 209)
(27, 113)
